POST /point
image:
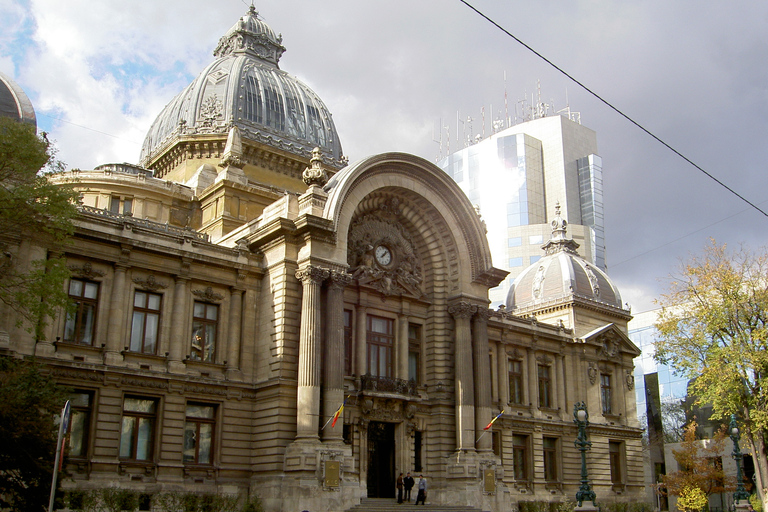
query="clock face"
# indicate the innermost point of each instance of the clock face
(383, 255)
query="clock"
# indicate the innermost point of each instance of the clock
(383, 255)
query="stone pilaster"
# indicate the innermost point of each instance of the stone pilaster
(178, 331)
(361, 349)
(333, 360)
(117, 310)
(308, 394)
(533, 381)
(481, 360)
(465, 390)
(401, 350)
(561, 403)
(235, 329)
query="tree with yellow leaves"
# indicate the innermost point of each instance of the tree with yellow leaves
(713, 329)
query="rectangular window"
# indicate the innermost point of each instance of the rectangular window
(347, 342)
(198, 434)
(496, 442)
(545, 387)
(80, 325)
(516, 262)
(515, 382)
(417, 443)
(120, 205)
(81, 403)
(615, 449)
(535, 239)
(520, 457)
(414, 351)
(605, 393)
(205, 319)
(137, 433)
(381, 341)
(550, 459)
(146, 322)
(514, 241)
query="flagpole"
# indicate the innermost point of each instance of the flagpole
(63, 424)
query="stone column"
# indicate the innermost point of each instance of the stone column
(481, 360)
(235, 330)
(361, 348)
(401, 352)
(179, 339)
(465, 389)
(308, 394)
(117, 309)
(333, 360)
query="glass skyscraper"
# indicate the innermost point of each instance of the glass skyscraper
(516, 177)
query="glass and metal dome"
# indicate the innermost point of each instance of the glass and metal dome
(14, 103)
(560, 276)
(245, 87)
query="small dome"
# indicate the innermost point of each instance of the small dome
(14, 103)
(561, 275)
(245, 87)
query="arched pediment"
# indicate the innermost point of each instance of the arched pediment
(430, 202)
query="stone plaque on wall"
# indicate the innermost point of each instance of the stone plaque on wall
(331, 473)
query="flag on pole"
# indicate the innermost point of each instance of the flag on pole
(494, 419)
(65, 415)
(338, 412)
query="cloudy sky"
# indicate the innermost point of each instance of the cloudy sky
(693, 72)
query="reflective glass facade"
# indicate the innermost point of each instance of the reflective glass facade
(515, 178)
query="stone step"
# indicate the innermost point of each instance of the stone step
(391, 505)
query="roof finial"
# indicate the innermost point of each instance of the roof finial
(559, 225)
(315, 174)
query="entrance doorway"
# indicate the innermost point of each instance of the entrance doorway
(381, 460)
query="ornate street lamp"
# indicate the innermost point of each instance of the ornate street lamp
(581, 418)
(733, 430)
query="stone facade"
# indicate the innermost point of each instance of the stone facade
(222, 320)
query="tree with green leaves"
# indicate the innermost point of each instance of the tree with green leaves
(713, 328)
(33, 212)
(29, 401)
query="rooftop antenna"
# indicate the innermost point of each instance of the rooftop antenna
(506, 105)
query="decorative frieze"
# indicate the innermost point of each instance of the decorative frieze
(208, 295)
(150, 283)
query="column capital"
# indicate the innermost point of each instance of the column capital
(462, 309)
(313, 274)
(339, 280)
(483, 314)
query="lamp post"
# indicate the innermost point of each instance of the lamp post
(733, 430)
(581, 418)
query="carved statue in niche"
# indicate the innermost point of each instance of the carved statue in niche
(381, 253)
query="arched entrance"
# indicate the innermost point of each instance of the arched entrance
(381, 460)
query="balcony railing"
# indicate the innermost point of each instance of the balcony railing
(388, 385)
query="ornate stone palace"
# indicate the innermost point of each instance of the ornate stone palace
(244, 282)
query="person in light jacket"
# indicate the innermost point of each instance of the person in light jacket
(422, 495)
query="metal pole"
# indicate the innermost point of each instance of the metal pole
(63, 425)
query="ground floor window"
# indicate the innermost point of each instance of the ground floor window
(198, 434)
(138, 428)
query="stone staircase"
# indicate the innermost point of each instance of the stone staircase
(391, 505)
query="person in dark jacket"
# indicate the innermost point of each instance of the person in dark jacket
(399, 486)
(407, 485)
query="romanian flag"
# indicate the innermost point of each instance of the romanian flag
(338, 412)
(494, 419)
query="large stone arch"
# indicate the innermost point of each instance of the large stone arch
(435, 207)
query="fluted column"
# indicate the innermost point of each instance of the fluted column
(308, 395)
(482, 369)
(333, 360)
(465, 391)
(178, 332)
(117, 309)
(235, 330)
(361, 350)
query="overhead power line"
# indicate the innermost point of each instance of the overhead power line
(609, 105)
